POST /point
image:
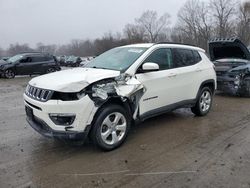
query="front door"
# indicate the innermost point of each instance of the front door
(160, 85)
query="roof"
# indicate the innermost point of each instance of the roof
(34, 53)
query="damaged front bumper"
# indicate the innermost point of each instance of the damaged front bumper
(1, 73)
(228, 84)
(39, 117)
(41, 127)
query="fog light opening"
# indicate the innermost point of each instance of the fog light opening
(63, 119)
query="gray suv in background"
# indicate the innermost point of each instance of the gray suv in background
(28, 64)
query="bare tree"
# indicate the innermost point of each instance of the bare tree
(153, 25)
(46, 48)
(1, 52)
(243, 24)
(194, 24)
(107, 42)
(134, 33)
(18, 48)
(223, 12)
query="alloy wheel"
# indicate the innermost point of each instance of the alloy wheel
(205, 101)
(9, 73)
(50, 70)
(113, 128)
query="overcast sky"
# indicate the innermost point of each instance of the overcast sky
(59, 21)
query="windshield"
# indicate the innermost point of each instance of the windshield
(14, 58)
(120, 58)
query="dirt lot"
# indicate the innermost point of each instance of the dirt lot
(173, 150)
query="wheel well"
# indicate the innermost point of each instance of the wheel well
(119, 101)
(11, 68)
(209, 84)
(114, 100)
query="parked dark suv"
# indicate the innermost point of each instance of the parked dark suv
(232, 64)
(28, 64)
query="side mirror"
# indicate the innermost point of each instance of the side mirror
(148, 67)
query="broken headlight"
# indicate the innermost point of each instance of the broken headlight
(68, 96)
(237, 80)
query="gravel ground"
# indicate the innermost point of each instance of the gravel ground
(172, 150)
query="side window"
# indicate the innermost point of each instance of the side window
(49, 58)
(185, 57)
(25, 60)
(37, 59)
(163, 57)
(197, 56)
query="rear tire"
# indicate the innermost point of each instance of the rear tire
(111, 127)
(204, 102)
(9, 74)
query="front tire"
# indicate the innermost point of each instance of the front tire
(50, 70)
(111, 127)
(245, 88)
(9, 74)
(203, 103)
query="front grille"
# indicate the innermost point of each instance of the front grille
(38, 93)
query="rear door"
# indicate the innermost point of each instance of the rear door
(48, 62)
(36, 64)
(188, 63)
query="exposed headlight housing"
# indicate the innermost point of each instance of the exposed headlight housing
(103, 90)
(68, 96)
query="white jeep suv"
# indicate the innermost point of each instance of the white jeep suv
(123, 85)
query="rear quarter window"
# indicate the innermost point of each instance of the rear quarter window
(185, 57)
(38, 58)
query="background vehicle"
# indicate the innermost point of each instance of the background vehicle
(73, 61)
(123, 85)
(232, 64)
(28, 64)
(4, 58)
(61, 60)
(85, 61)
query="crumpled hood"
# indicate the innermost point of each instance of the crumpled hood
(72, 80)
(225, 65)
(228, 48)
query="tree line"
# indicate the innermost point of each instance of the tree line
(197, 22)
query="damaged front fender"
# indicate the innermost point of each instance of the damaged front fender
(125, 87)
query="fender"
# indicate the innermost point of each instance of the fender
(210, 82)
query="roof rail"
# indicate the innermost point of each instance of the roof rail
(176, 43)
(45, 53)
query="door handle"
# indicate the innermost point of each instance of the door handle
(171, 75)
